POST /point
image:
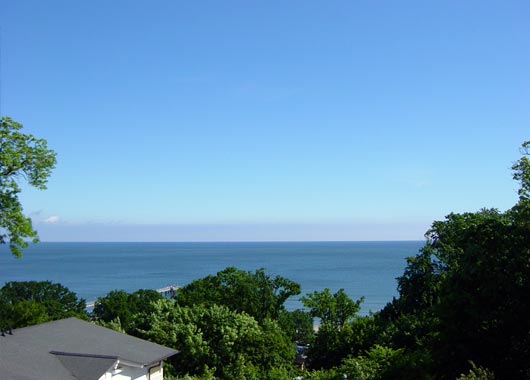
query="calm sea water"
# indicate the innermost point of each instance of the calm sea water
(91, 270)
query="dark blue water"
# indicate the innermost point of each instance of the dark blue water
(91, 270)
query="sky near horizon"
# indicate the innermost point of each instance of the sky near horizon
(266, 120)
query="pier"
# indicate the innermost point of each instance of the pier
(166, 291)
(169, 290)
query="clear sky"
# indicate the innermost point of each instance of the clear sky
(267, 120)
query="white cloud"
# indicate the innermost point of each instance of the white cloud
(52, 219)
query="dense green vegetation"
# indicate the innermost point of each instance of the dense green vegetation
(28, 303)
(462, 313)
(22, 157)
(232, 325)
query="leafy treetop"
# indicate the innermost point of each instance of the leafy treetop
(522, 172)
(465, 296)
(255, 293)
(22, 156)
(27, 303)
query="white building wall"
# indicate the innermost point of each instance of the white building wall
(131, 373)
(106, 376)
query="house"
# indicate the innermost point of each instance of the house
(72, 349)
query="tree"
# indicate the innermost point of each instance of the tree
(255, 293)
(465, 296)
(214, 340)
(410, 321)
(521, 172)
(339, 328)
(22, 156)
(477, 373)
(118, 306)
(335, 309)
(30, 302)
(25, 313)
(483, 308)
(298, 324)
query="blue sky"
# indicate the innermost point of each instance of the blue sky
(267, 120)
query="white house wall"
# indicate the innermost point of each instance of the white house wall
(130, 373)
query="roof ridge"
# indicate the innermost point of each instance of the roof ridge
(38, 325)
(84, 355)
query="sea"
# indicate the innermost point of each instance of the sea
(91, 270)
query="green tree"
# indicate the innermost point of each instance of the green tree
(119, 307)
(339, 330)
(25, 313)
(465, 296)
(375, 365)
(22, 156)
(477, 373)
(30, 302)
(484, 307)
(298, 324)
(255, 293)
(411, 321)
(216, 340)
(334, 309)
(521, 172)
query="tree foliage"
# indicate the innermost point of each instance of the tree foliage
(477, 373)
(255, 293)
(521, 172)
(214, 340)
(339, 327)
(298, 324)
(22, 157)
(209, 322)
(464, 297)
(30, 302)
(119, 307)
(335, 309)
(484, 305)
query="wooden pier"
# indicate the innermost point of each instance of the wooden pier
(166, 291)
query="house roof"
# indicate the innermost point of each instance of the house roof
(72, 349)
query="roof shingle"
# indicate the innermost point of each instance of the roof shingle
(71, 349)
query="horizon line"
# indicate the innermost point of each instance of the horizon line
(235, 241)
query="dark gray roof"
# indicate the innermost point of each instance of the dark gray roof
(71, 349)
(85, 367)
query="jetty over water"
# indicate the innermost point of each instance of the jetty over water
(166, 291)
(169, 290)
